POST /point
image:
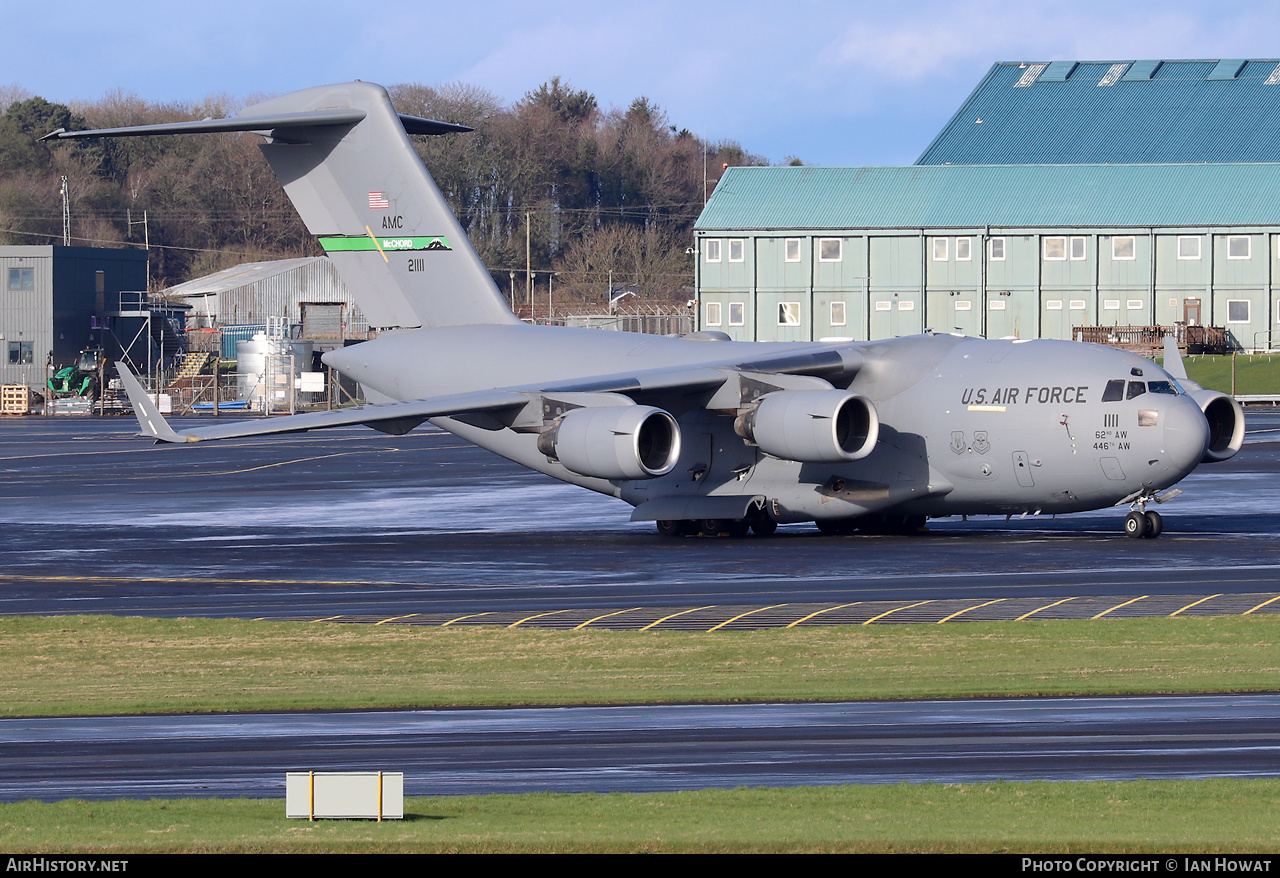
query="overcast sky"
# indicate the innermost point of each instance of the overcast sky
(832, 83)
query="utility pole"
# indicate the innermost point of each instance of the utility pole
(528, 266)
(66, 215)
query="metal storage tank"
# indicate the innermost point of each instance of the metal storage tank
(264, 373)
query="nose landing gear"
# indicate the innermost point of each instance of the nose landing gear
(1143, 523)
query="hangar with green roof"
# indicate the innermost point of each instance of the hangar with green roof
(1061, 195)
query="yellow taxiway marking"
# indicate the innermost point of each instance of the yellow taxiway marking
(896, 609)
(536, 616)
(1045, 607)
(967, 609)
(1189, 606)
(468, 616)
(397, 618)
(673, 615)
(820, 612)
(605, 616)
(1261, 605)
(1125, 604)
(329, 618)
(740, 615)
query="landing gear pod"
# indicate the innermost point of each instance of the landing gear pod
(812, 426)
(615, 442)
(1226, 424)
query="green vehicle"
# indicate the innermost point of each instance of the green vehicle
(80, 379)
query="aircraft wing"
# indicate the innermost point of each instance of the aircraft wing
(401, 417)
(395, 418)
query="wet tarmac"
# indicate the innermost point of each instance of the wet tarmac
(354, 524)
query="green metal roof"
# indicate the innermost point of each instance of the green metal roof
(1009, 196)
(1223, 110)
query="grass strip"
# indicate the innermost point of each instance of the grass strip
(109, 665)
(1254, 373)
(1210, 816)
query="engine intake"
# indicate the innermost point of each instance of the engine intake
(812, 426)
(614, 442)
(1226, 424)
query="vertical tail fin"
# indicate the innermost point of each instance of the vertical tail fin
(345, 159)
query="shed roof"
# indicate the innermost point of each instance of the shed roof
(1218, 110)
(242, 275)
(975, 196)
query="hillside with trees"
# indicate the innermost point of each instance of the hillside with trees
(593, 194)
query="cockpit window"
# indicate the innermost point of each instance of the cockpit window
(1114, 391)
(1136, 388)
(1162, 387)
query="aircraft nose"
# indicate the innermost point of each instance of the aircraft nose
(1186, 434)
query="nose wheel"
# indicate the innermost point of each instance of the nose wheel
(1143, 525)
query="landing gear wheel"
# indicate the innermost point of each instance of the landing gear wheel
(673, 528)
(713, 527)
(1136, 525)
(1155, 525)
(764, 526)
(738, 528)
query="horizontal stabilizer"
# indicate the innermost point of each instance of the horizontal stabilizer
(279, 123)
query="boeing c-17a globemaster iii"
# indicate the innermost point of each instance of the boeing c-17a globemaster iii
(699, 433)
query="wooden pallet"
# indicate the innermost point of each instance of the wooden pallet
(15, 399)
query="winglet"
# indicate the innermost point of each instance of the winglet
(150, 420)
(1173, 359)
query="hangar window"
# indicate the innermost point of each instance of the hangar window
(1133, 304)
(1114, 391)
(996, 305)
(1122, 247)
(837, 314)
(830, 249)
(713, 314)
(884, 306)
(1238, 246)
(1053, 305)
(712, 246)
(906, 305)
(737, 250)
(788, 313)
(1077, 248)
(22, 280)
(1076, 305)
(1055, 249)
(1110, 304)
(791, 249)
(997, 249)
(1188, 246)
(964, 249)
(1238, 310)
(736, 314)
(964, 305)
(940, 250)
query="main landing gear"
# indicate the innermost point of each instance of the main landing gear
(760, 524)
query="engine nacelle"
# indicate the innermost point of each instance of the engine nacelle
(615, 442)
(812, 426)
(1226, 424)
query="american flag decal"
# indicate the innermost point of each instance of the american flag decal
(378, 201)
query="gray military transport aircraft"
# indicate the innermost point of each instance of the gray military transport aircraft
(699, 433)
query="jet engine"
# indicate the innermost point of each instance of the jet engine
(1226, 424)
(614, 442)
(812, 426)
